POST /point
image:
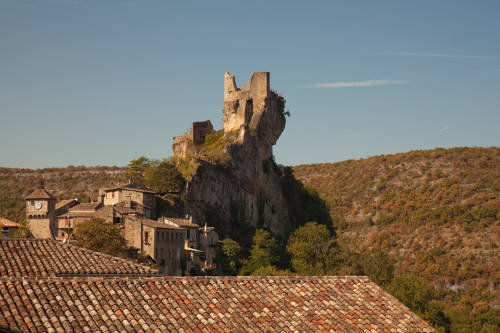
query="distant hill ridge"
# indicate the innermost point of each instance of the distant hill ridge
(406, 181)
(71, 182)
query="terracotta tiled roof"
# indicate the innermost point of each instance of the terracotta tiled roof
(131, 187)
(8, 223)
(208, 304)
(87, 206)
(156, 224)
(182, 222)
(39, 193)
(86, 214)
(65, 203)
(42, 258)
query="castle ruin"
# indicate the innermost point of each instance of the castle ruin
(254, 119)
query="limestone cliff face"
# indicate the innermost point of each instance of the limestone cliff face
(247, 187)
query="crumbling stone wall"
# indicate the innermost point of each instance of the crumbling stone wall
(200, 130)
(189, 142)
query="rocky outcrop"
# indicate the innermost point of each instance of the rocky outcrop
(247, 187)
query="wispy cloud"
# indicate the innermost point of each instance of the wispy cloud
(444, 129)
(355, 84)
(437, 55)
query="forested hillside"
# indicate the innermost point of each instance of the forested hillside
(436, 212)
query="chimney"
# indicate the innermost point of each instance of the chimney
(127, 201)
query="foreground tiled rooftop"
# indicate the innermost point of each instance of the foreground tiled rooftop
(202, 304)
(48, 286)
(44, 258)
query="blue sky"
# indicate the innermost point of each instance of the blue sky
(93, 82)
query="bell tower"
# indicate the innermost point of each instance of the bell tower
(40, 212)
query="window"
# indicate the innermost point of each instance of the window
(146, 237)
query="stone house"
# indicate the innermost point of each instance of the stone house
(8, 227)
(200, 246)
(160, 242)
(68, 219)
(141, 197)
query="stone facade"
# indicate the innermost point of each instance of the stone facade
(159, 241)
(200, 245)
(209, 242)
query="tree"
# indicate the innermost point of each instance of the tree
(98, 235)
(264, 252)
(23, 231)
(313, 250)
(270, 270)
(416, 294)
(137, 169)
(231, 252)
(376, 264)
(164, 177)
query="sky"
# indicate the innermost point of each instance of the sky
(102, 82)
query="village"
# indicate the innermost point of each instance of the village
(174, 244)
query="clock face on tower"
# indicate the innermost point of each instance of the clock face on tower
(38, 205)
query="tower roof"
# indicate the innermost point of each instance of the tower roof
(39, 193)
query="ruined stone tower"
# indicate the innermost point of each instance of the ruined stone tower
(255, 108)
(253, 121)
